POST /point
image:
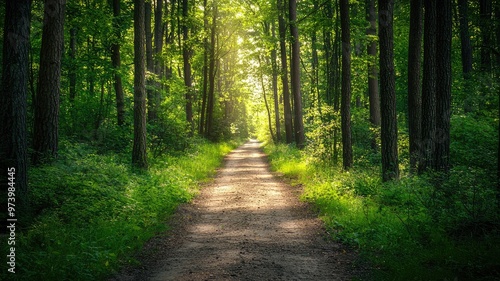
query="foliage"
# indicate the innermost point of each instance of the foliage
(425, 227)
(94, 211)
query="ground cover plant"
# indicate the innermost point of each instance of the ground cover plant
(418, 228)
(93, 212)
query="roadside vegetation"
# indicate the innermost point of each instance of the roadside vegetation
(418, 228)
(93, 211)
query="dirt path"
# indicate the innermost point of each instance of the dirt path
(247, 225)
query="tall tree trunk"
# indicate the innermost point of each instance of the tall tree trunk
(465, 44)
(466, 49)
(139, 153)
(414, 89)
(206, 50)
(295, 75)
(263, 85)
(116, 62)
(72, 68)
(152, 110)
(46, 125)
(13, 101)
(485, 9)
(186, 56)
(287, 108)
(329, 54)
(443, 85)
(373, 95)
(428, 88)
(389, 128)
(158, 49)
(211, 74)
(275, 84)
(345, 108)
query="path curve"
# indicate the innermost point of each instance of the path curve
(246, 225)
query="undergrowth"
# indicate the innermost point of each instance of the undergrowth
(92, 212)
(415, 228)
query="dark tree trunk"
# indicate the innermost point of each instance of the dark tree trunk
(371, 17)
(466, 46)
(428, 88)
(275, 85)
(139, 153)
(116, 62)
(13, 100)
(414, 89)
(284, 72)
(329, 55)
(152, 110)
(46, 125)
(72, 68)
(295, 75)
(466, 50)
(186, 56)
(389, 128)
(158, 48)
(345, 108)
(443, 85)
(485, 9)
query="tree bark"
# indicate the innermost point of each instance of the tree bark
(186, 56)
(275, 84)
(116, 62)
(389, 129)
(371, 17)
(72, 68)
(152, 109)
(139, 153)
(443, 85)
(211, 75)
(347, 158)
(465, 43)
(46, 125)
(485, 10)
(206, 50)
(284, 72)
(263, 85)
(428, 88)
(295, 75)
(414, 89)
(13, 99)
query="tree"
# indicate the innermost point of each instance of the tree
(275, 83)
(372, 68)
(116, 61)
(284, 72)
(211, 72)
(443, 85)
(389, 129)
(345, 110)
(485, 10)
(46, 123)
(13, 98)
(414, 94)
(465, 44)
(139, 153)
(428, 88)
(295, 75)
(186, 56)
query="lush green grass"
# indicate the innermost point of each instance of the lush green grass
(94, 211)
(413, 229)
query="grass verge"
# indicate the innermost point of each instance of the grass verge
(406, 230)
(94, 211)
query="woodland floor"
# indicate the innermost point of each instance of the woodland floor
(246, 225)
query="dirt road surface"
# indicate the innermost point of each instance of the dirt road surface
(246, 225)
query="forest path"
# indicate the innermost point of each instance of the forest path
(246, 225)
